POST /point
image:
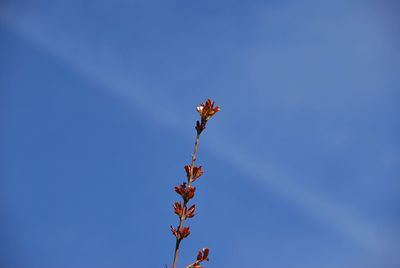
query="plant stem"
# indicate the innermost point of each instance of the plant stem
(183, 217)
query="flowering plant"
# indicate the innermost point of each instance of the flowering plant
(186, 190)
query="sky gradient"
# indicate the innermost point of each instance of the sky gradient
(97, 114)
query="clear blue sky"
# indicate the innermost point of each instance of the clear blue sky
(97, 115)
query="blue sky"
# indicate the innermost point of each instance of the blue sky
(97, 115)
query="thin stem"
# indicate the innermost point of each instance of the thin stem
(183, 217)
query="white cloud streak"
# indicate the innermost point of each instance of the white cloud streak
(120, 84)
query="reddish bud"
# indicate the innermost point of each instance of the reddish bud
(181, 233)
(190, 211)
(178, 209)
(181, 189)
(174, 231)
(190, 192)
(201, 256)
(194, 174)
(184, 232)
(207, 110)
(200, 126)
(186, 191)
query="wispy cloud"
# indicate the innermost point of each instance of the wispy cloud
(114, 79)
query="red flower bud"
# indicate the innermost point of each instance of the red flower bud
(201, 256)
(181, 189)
(187, 192)
(178, 209)
(195, 174)
(184, 232)
(190, 192)
(180, 234)
(190, 211)
(207, 110)
(200, 127)
(174, 231)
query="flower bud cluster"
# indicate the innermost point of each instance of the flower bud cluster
(201, 256)
(186, 191)
(206, 111)
(184, 212)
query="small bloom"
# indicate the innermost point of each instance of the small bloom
(181, 189)
(190, 211)
(190, 192)
(207, 110)
(178, 209)
(186, 191)
(180, 234)
(184, 232)
(174, 231)
(195, 174)
(201, 256)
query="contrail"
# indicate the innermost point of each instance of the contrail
(119, 83)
